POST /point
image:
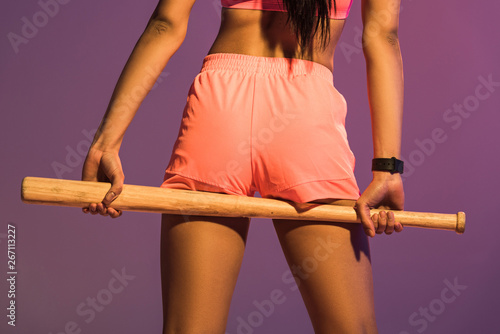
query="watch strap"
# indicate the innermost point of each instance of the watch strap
(391, 165)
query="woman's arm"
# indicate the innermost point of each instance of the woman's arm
(384, 68)
(162, 37)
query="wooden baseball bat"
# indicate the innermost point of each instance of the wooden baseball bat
(49, 191)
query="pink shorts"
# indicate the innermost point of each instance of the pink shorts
(266, 124)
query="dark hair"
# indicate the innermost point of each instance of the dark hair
(302, 14)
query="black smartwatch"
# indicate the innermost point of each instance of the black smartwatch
(391, 165)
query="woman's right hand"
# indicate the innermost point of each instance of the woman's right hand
(104, 166)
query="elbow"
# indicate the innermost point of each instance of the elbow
(378, 43)
(374, 35)
(161, 26)
(392, 38)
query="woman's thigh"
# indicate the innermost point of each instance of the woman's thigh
(200, 261)
(331, 264)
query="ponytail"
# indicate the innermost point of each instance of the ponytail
(305, 23)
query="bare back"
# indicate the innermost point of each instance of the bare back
(265, 33)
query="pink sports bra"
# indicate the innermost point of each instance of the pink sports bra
(343, 6)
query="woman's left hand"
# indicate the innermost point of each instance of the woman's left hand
(384, 192)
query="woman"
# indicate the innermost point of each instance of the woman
(266, 66)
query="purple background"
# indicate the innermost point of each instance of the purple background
(58, 84)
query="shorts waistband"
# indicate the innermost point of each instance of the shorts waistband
(266, 65)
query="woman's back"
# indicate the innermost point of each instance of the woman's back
(265, 33)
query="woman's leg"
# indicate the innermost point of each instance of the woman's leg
(200, 261)
(331, 263)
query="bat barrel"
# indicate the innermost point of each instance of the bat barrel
(460, 222)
